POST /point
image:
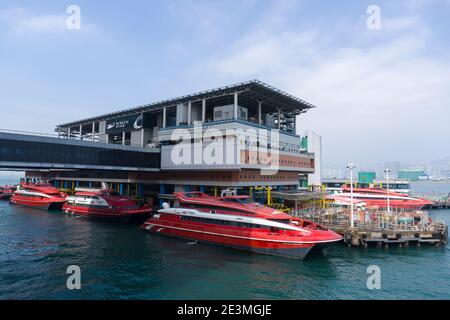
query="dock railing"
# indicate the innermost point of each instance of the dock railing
(77, 138)
(29, 133)
(373, 220)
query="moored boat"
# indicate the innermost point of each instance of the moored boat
(40, 195)
(6, 192)
(378, 197)
(104, 203)
(239, 222)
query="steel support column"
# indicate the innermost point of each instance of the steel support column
(259, 112)
(164, 117)
(236, 102)
(189, 113)
(162, 190)
(279, 119)
(203, 110)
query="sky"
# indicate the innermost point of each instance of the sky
(381, 94)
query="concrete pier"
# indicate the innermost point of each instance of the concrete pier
(382, 229)
(437, 235)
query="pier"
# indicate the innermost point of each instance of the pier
(380, 228)
(133, 151)
(436, 234)
(440, 203)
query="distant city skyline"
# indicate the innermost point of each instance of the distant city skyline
(433, 169)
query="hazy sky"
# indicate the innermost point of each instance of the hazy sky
(380, 94)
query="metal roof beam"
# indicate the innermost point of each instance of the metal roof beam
(255, 88)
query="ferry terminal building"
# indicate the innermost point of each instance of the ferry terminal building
(131, 149)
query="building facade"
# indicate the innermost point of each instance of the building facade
(241, 136)
(411, 174)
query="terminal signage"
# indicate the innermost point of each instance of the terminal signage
(128, 123)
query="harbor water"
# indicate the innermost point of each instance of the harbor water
(120, 261)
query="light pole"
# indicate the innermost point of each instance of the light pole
(388, 198)
(351, 166)
(387, 186)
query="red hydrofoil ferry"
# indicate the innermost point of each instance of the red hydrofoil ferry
(40, 195)
(239, 222)
(6, 192)
(378, 197)
(104, 203)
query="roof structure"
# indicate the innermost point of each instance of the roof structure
(254, 89)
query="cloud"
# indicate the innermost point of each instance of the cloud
(20, 22)
(420, 4)
(379, 94)
(265, 54)
(401, 23)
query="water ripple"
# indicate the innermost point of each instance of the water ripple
(121, 261)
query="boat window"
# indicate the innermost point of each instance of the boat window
(240, 200)
(221, 222)
(285, 221)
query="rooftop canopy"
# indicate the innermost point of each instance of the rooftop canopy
(253, 90)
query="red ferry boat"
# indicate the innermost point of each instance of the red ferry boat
(6, 192)
(378, 197)
(239, 222)
(104, 203)
(40, 195)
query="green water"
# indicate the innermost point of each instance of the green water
(120, 261)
